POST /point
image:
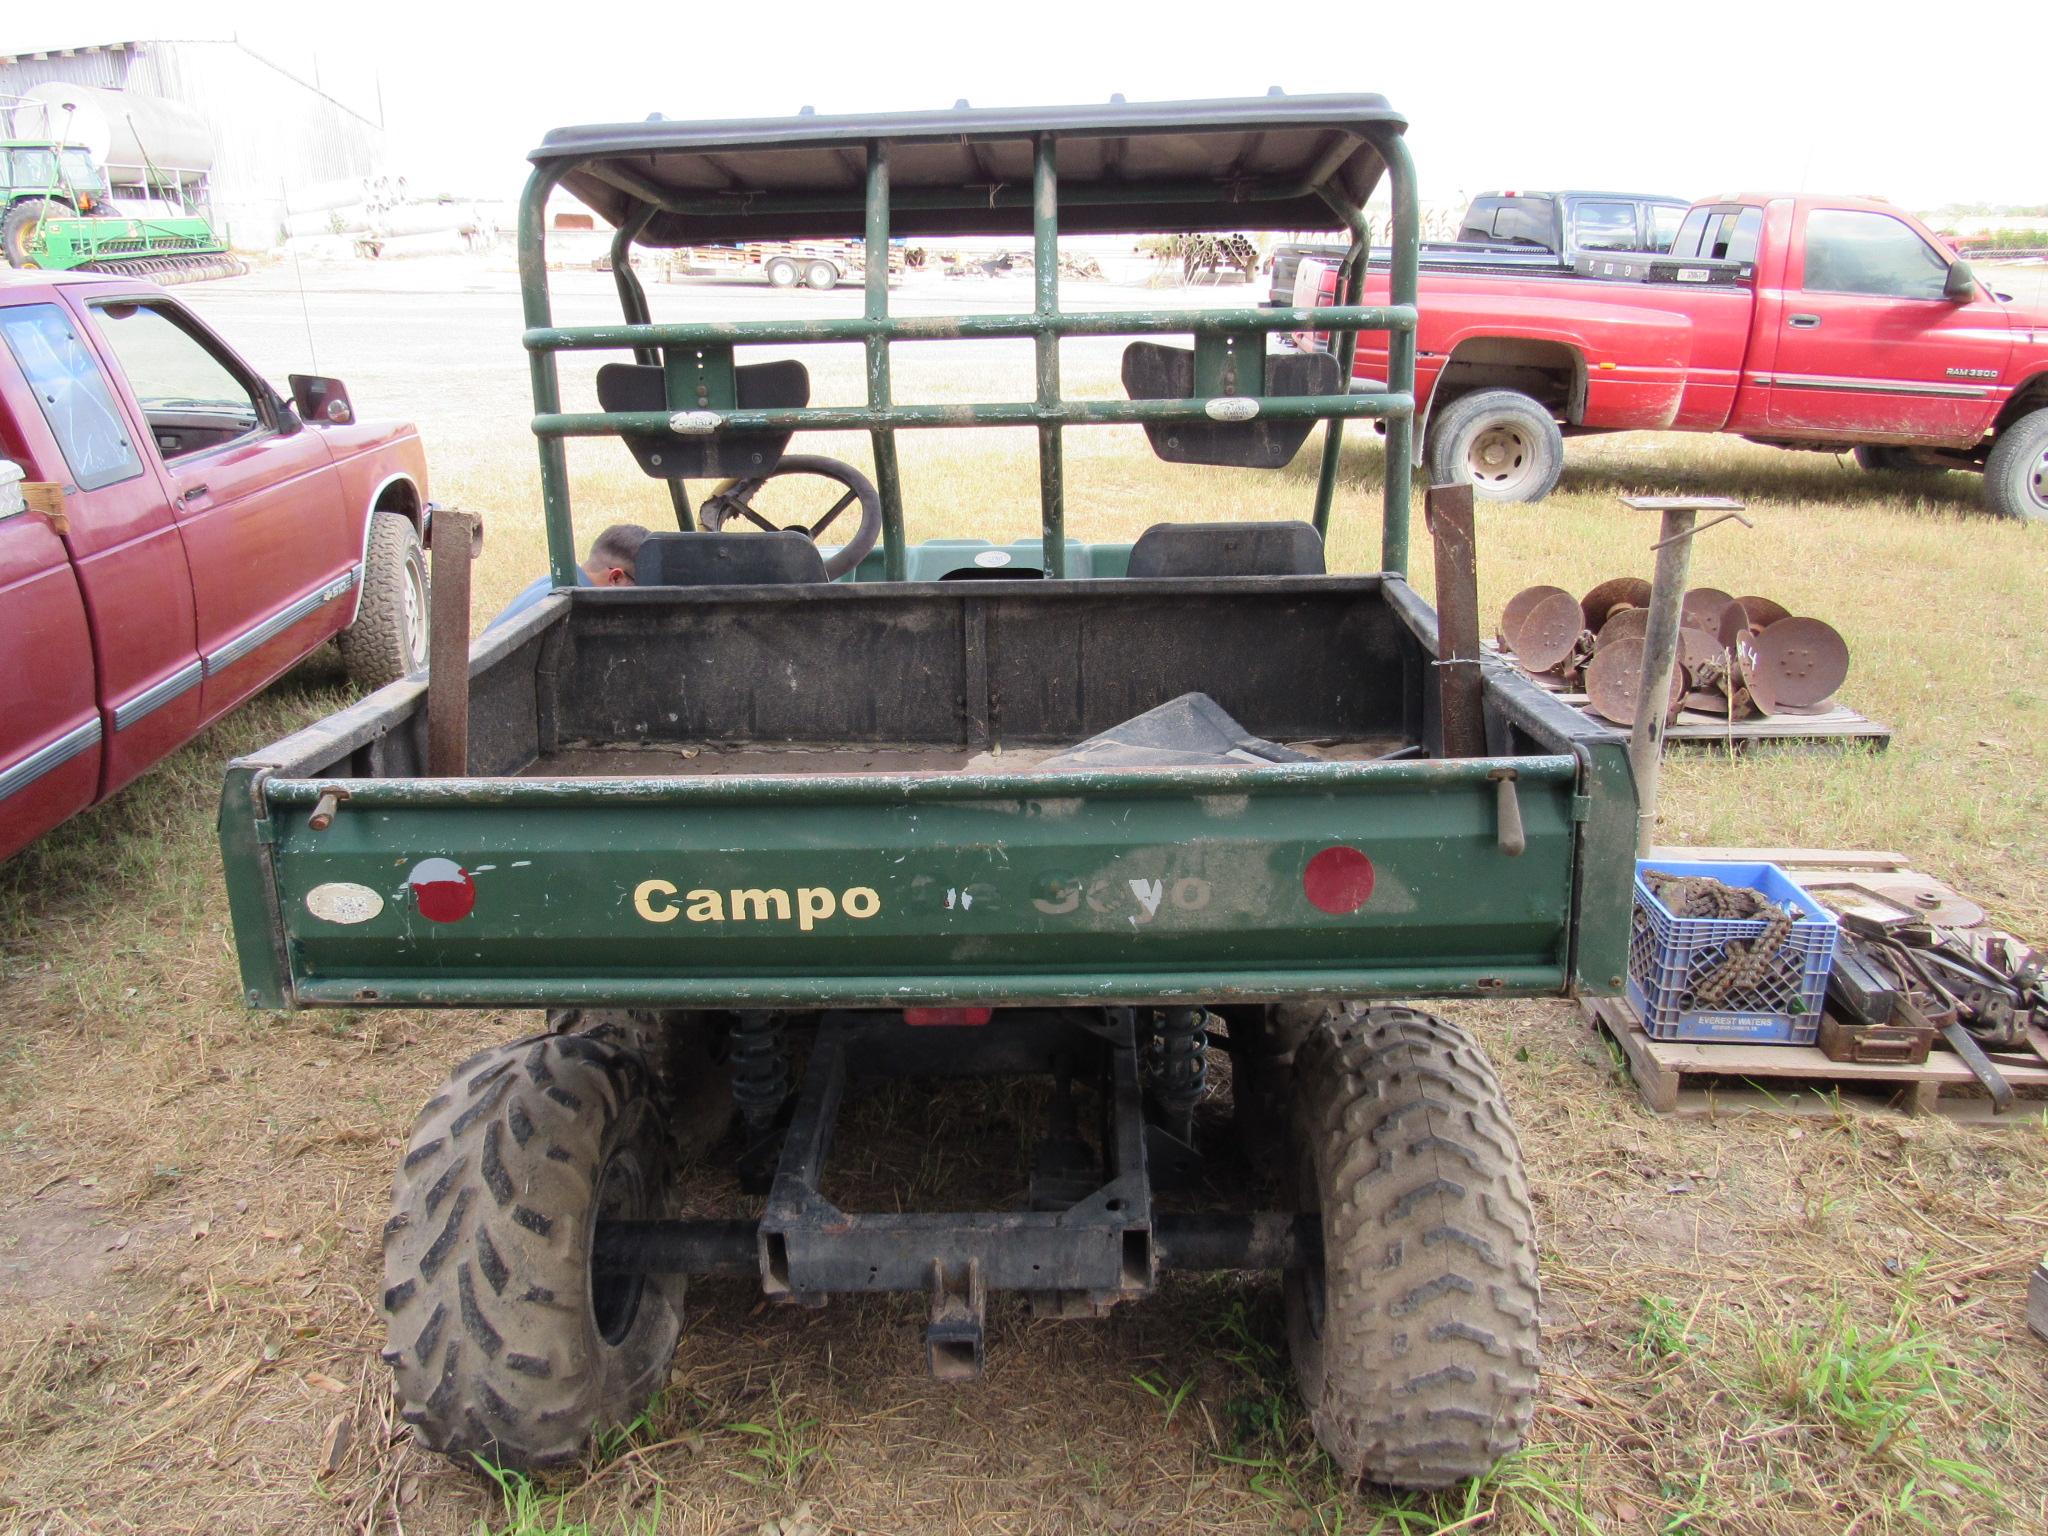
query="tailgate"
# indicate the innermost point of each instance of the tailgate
(1366, 879)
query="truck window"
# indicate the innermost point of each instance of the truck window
(1854, 251)
(1522, 221)
(1605, 227)
(74, 394)
(1664, 225)
(193, 400)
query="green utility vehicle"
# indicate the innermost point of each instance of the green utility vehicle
(58, 213)
(1082, 812)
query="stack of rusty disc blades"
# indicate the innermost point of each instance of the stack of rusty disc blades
(1737, 656)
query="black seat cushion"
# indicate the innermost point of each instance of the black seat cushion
(705, 455)
(1228, 549)
(727, 560)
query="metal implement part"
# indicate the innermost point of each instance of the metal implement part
(1796, 663)
(1600, 604)
(1520, 606)
(1548, 633)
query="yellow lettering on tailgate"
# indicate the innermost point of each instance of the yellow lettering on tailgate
(643, 901)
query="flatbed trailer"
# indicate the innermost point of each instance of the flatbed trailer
(908, 822)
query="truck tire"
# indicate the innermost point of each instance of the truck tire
(20, 223)
(685, 1059)
(1500, 442)
(1878, 459)
(504, 1343)
(1415, 1341)
(782, 273)
(389, 637)
(2016, 473)
(821, 275)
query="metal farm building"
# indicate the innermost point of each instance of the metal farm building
(274, 135)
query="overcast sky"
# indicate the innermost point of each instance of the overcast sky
(1926, 104)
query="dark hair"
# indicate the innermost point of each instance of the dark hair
(619, 545)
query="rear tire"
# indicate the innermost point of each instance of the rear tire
(20, 224)
(2016, 473)
(504, 1343)
(782, 273)
(388, 640)
(1500, 442)
(1879, 459)
(1415, 1341)
(821, 275)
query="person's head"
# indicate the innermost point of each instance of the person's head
(612, 553)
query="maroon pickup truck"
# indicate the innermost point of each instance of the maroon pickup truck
(173, 535)
(1832, 323)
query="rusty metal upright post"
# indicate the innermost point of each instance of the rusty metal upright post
(454, 539)
(1460, 688)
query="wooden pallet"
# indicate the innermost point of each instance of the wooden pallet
(1687, 1078)
(1692, 1080)
(1698, 728)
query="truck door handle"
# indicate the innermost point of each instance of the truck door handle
(192, 493)
(1804, 322)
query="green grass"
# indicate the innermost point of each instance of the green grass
(780, 1448)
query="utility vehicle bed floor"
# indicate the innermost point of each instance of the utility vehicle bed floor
(605, 760)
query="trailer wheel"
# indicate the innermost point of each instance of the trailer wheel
(504, 1343)
(821, 275)
(1415, 1340)
(2016, 472)
(19, 227)
(1500, 442)
(388, 639)
(1879, 459)
(782, 273)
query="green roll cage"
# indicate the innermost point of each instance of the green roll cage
(620, 169)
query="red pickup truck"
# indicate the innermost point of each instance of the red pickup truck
(173, 535)
(1830, 323)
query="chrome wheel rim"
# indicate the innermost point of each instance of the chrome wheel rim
(2037, 484)
(415, 612)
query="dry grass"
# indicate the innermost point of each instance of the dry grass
(1760, 1325)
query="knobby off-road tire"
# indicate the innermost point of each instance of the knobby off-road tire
(503, 1343)
(1416, 1344)
(388, 639)
(684, 1056)
(1506, 446)
(2016, 472)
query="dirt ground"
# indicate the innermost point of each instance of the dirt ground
(1805, 1321)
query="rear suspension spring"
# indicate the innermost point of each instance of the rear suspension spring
(760, 1074)
(1177, 1062)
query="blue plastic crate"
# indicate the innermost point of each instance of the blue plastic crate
(1668, 955)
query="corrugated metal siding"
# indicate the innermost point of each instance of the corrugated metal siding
(271, 131)
(104, 67)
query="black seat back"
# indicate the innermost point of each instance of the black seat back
(1153, 371)
(1228, 549)
(705, 455)
(727, 560)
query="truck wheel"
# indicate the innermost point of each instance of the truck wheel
(1415, 1340)
(389, 637)
(19, 227)
(1878, 459)
(2016, 473)
(685, 1058)
(506, 1345)
(1505, 445)
(782, 273)
(821, 275)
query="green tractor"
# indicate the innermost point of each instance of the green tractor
(60, 213)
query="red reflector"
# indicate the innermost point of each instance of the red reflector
(1338, 880)
(954, 1016)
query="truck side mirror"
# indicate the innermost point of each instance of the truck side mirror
(1961, 285)
(321, 401)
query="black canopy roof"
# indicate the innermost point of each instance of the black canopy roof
(1124, 168)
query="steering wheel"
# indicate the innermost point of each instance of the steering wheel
(729, 504)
